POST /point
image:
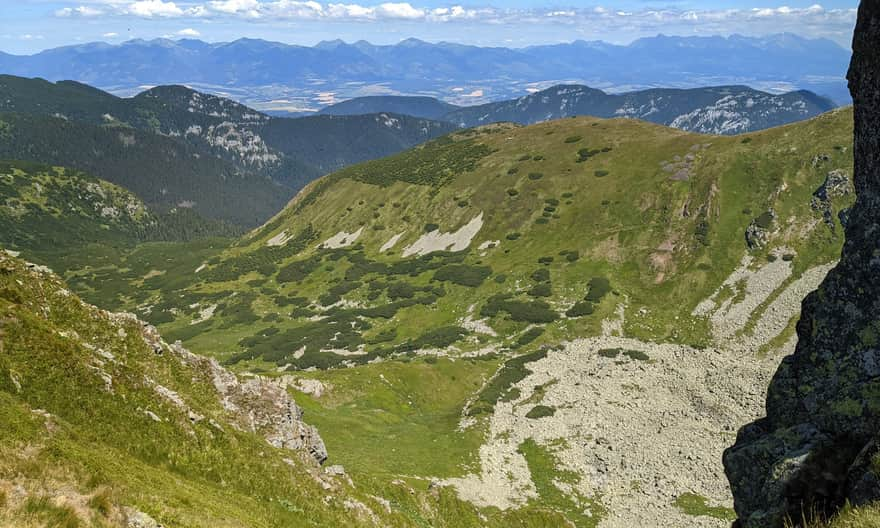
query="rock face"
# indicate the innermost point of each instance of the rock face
(816, 447)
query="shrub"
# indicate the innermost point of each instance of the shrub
(610, 353)
(525, 157)
(463, 274)
(541, 275)
(297, 271)
(568, 195)
(463, 203)
(536, 175)
(501, 278)
(545, 260)
(513, 171)
(580, 309)
(765, 221)
(512, 192)
(541, 290)
(401, 290)
(438, 338)
(431, 227)
(499, 387)
(540, 411)
(529, 336)
(549, 209)
(636, 355)
(701, 232)
(571, 255)
(385, 336)
(601, 173)
(513, 236)
(788, 257)
(746, 141)
(537, 312)
(538, 158)
(585, 154)
(573, 139)
(599, 288)
(542, 221)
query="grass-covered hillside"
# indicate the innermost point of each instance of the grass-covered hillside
(539, 233)
(107, 425)
(449, 278)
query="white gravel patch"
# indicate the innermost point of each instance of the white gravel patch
(279, 240)
(391, 242)
(341, 239)
(205, 314)
(438, 241)
(730, 317)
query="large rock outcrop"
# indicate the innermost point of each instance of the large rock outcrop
(817, 447)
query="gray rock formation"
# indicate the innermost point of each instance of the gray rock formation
(259, 405)
(816, 447)
(836, 185)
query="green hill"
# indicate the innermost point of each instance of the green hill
(555, 225)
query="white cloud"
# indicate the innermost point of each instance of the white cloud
(401, 10)
(188, 32)
(246, 7)
(110, 35)
(154, 8)
(84, 11)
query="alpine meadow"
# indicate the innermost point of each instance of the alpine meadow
(521, 265)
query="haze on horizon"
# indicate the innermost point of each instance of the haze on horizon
(36, 25)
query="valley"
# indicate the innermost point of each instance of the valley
(501, 318)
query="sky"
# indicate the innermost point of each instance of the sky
(33, 25)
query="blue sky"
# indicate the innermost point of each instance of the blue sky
(32, 25)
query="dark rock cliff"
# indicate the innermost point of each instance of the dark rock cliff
(819, 445)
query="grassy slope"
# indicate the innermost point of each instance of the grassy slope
(618, 223)
(75, 451)
(619, 210)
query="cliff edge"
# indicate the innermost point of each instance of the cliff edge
(817, 448)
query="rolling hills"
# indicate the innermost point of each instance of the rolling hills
(484, 287)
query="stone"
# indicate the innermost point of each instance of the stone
(813, 450)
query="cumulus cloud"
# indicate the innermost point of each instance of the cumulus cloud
(111, 34)
(154, 8)
(188, 32)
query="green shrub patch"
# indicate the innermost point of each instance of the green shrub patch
(540, 411)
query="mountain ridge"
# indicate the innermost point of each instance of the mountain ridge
(803, 63)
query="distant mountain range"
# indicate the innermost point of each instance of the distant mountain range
(276, 76)
(713, 110)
